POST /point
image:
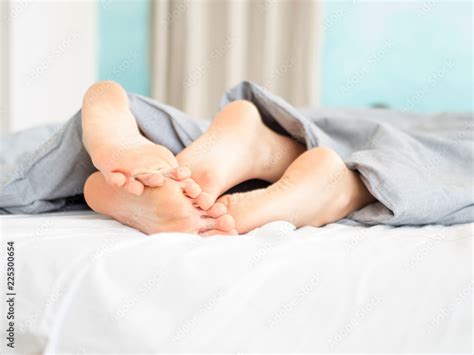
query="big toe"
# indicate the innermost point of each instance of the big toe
(225, 223)
(217, 210)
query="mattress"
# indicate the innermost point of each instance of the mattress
(84, 283)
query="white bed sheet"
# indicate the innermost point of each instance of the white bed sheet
(86, 283)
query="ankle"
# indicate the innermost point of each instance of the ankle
(357, 195)
(278, 154)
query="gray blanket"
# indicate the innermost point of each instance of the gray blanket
(418, 166)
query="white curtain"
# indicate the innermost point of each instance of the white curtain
(203, 47)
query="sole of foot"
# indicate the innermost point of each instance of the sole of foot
(158, 209)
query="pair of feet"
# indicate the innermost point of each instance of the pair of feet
(307, 187)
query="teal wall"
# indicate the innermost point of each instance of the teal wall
(413, 55)
(123, 43)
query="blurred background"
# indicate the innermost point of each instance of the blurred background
(407, 55)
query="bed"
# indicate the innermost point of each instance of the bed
(86, 284)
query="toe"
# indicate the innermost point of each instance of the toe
(117, 179)
(225, 200)
(205, 201)
(191, 188)
(180, 173)
(134, 187)
(217, 210)
(225, 223)
(151, 180)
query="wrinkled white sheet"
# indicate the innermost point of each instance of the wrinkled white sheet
(86, 283)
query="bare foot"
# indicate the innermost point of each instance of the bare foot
(316, 189)
(163, 209)
(118, 150)
(237, 147)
